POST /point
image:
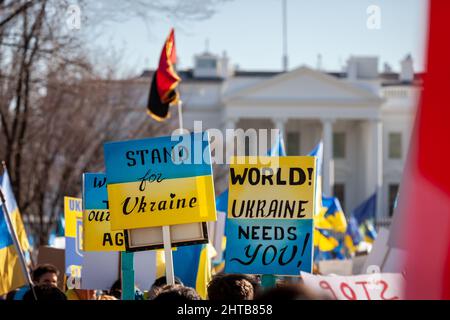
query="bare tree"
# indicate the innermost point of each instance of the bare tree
(57, 109)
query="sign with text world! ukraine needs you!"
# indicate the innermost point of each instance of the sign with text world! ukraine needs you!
(270, 215)
(160, 181)
(98, 235)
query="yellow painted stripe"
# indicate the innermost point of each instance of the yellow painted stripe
(170, 202)
(97, 235)
(71, 217)
(20, 230)
(11, 276)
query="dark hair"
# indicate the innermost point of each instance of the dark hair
(233, 287)
(162, 281)
(45, 292)
(43, 269)
(116, 289)
(284, 292)
(177, 293)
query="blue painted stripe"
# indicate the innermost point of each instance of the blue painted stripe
(5, 236)
(128, 161)
(95, 191)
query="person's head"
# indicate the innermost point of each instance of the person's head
(176, 293)
(45, 274)
(45, 292)
(107, 297)
(284, 292)
(116, 289)
(232, 287)
(160, 283)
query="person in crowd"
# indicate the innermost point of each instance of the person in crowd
(158, 284)
(106, 297)
(45, 274)
(233, 287)
(289, 291)
(80, 294)
(176, 293)
(116, 291)
(45, 292)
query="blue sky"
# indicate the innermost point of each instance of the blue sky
(251, 33)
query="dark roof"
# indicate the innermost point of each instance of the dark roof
(387, 78)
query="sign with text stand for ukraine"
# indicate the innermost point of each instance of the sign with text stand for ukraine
(270, 215)
(160, 181)
(97, 235)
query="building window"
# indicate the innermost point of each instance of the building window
(339, 145)
(206, 63)
(293, 144)
(393, 191)
(395, 145)
(339, 192)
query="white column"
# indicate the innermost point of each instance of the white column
(377, 153)
(328, 163)
(229, 143)
(279, 123)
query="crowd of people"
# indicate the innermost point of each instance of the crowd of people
(222, 287)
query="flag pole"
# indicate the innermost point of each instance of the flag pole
(16, 244)
(180, 115)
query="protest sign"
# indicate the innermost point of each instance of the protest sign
(73, 216)
(338, 267)
(56, 257)
(97, 232)
(152, 238)
(270, 215)
(382, 286)
(102, 269)
(160, 181)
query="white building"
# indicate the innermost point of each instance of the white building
(364, 117)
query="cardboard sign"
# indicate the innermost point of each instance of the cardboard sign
(102, 269)
(383, 258)
(152, 238)
(98, 235)
(381, 286)
(73, 215)
(338, 267)
(160, 181)
(270, 215)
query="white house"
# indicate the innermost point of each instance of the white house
(364, 117)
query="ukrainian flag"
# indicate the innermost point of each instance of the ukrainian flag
(192, 264)
(333, 217)
(11, 276)
(369, 232)
(352, 236)
(329, 217)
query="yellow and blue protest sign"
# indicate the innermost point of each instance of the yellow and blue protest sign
(269, 228)
(160, 181)
(73, 215)
(97, 233)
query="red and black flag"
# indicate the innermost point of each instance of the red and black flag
(164, 83)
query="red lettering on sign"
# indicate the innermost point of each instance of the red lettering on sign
(325, 285)
(363, 283)
(385, 287)
(353, 294)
